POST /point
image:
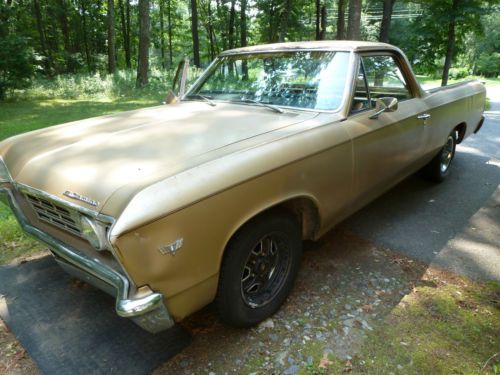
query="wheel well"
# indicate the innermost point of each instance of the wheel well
(461, 129)
(306, 212)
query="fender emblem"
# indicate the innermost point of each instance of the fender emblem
(81, 198)
(172, 248)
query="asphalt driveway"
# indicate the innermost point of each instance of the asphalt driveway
(456, 224)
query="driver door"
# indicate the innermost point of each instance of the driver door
(387, 147)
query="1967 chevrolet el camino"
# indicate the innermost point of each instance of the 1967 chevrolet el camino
(208, 198)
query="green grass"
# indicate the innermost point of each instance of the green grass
(22, 116)
(452, 328)
(431, 82)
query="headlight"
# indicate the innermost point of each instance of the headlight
(4, 172)
(94, 232)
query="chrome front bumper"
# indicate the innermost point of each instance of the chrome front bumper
(147, 309)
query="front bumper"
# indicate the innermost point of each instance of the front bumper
(146, 308)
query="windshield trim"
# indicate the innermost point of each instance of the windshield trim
(340, 107)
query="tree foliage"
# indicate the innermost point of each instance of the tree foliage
(78, 36)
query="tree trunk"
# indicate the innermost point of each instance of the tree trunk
(194, 32)
(341, 20)
(450, 49)
(162, 35)
(213, 36)
(143, 59)
(284, 20)
(126, 37)
(232, 16)
(354, 20)
(272, 13)
(243, 35)
(386, 21)
(63, 20)
(318, 19)
(41, 35)
(111, 37)
(128, 57)
(322, 34)
(83, 10)
(169, 16)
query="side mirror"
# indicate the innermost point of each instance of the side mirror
(387, 104)
(179, 84)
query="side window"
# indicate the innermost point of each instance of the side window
(361, 100)
(385, 78)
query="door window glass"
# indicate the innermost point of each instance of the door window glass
(385, 78)
(361, 99)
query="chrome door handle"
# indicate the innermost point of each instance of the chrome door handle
(424, 116)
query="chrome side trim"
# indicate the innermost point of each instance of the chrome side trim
(148, 311)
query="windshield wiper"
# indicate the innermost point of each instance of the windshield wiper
(270, 106)
(207, 100)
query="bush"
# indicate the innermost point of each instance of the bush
(459, 73)
(488, 64)
(16, 64)
(97, 85)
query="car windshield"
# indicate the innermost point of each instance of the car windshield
(301, 79)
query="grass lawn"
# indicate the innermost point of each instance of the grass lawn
(445, 326)
(22, 116)
(429, 82)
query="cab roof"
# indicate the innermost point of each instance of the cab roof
(329, 45)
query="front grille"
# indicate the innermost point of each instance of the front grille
(57, 215)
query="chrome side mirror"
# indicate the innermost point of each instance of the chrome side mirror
(387, 104)
(179, 84)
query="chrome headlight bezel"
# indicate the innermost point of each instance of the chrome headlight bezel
(4, 172)
(94, 232)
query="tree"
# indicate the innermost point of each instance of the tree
(243, 34)
(439, 33)
(194, 33)
(450, 48)
(162, 34)
(16, 64)
(386, 20)
(341, 20)
(324, 18)
(125, 25)
(169, 18)
(111, 37)
(318, 18)
(42, 38)
(143, 59)
(354, 20)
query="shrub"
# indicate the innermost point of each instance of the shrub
(489, 64)
(16, 64)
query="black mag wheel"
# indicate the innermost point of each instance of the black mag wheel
(265, 270)
(258, 269)
(439, 167)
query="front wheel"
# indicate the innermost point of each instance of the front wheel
(258, 269)
(439, 167)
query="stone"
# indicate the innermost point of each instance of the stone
(268, 323)
(294, 369)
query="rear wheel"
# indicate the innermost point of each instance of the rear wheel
(439, 167)
(258, 269)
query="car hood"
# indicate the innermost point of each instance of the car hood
(95, 157)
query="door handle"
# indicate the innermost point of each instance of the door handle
(424, 116)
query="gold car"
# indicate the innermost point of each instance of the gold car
(209, 198)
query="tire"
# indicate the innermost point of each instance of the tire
(439, 167)
(258, 269)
